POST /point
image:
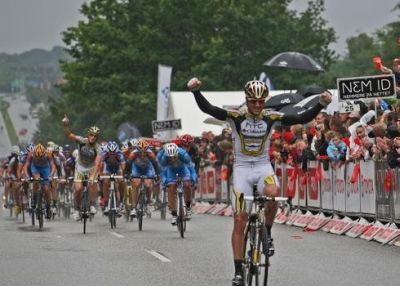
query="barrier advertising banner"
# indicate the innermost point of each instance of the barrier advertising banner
(279, 175)
(302, 188)
(367, 186)
(396, 195)
(224, 182)
(353, 194)
(210, 177)
(384, 186)
(291, 183)
(326, 189)
(313, 195)
(339, 189)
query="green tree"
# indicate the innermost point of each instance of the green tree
(116, 50)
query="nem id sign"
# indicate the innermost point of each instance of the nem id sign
(166, 125)
(366, 87)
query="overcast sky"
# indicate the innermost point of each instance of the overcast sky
(28, 24)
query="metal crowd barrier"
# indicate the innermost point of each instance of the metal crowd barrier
(363, 189)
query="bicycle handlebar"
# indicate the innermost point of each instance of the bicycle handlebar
(110, 177)
(265, 199)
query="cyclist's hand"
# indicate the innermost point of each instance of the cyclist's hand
(65, 120)
(194, 84)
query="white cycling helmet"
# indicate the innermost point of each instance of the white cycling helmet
(134, 142)
(112, 146)
(171, 149)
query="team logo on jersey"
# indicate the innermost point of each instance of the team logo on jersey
(253, 134)
(254, 128)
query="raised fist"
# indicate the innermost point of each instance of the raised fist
(194, 84)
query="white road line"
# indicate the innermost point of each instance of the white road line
(158, 256)
(117, 234)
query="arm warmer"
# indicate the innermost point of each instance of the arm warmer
(291, 119)
(206, 107)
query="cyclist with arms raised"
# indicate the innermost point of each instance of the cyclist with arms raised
(251, 131)
(87, 164)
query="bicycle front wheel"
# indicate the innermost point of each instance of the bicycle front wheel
(140, 209)
(40, 208)
(163, 211)
(181, 222)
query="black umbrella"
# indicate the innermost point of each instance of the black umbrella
(294, 60)
(302, 106)
(280, 100)
(309, 90)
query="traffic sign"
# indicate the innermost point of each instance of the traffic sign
(165, 125)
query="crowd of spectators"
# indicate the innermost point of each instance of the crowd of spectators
(373, 133)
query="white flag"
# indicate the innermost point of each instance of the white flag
(164, 82)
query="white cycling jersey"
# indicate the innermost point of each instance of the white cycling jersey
(251, 135)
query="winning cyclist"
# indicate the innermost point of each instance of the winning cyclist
(86, 164)
(251, 131)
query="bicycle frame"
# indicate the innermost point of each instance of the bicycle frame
(256, 237)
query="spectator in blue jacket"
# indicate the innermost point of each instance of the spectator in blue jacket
(337, 148)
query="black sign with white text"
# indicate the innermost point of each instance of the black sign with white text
(366, 87)
(166, 125)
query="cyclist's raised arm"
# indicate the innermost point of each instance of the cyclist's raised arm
(67, 132)
(305, 117)
(219, 113)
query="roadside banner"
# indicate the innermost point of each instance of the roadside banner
(367, 186)
(163, 94)
(339, 189)
(353, 194)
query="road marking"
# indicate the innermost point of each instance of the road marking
(117, 234)
(158, 256)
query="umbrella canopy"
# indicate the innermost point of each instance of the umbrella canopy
(294, 60)
(280, 100)
(302, 106)
(309, 90)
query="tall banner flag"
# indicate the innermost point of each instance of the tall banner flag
(163, 91)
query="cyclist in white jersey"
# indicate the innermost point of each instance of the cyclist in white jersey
(251, 131)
